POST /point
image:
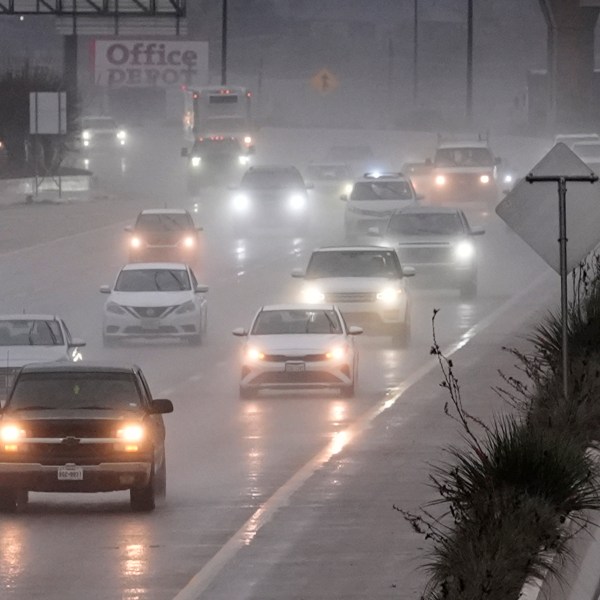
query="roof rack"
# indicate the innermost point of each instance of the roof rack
(382, 174)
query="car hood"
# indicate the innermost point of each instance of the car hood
(296, 343)
(150, 298)
(386, 207)
(65, 414)
(424, 240)
(17, 356)
(352, 284)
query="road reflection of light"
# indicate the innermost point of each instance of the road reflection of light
(240, 251)
(134, 559)
(466, 316)
(12, 563)
(338, 413)
(123, 165)
(86, 163)
(196, 207)
(339, 441)
(390, 363)
(254, 454)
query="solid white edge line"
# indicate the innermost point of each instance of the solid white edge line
(244, 535)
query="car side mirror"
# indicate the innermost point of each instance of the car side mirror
(201, 289)
(354, 330)
(240, 332)
(344, 197)
(298, 273)
(161, 406)
(185, 152)
(105, 289)
(477, 231)
(76, 343)
(129, 228)
(408, 271)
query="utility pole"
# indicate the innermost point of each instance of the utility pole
(416, 51)
(469, 102)
(224, 44)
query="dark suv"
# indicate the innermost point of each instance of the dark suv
(164, 234)
(272, 195)
(82, 428)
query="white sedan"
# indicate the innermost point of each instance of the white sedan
(298, 346)
(32, 338)
(153, 300)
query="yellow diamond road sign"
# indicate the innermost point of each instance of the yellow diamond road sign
(324, 81)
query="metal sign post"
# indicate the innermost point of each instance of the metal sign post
(561, 180)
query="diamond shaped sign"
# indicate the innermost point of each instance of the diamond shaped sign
(531, 209)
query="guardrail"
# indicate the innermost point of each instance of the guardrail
(67, 187)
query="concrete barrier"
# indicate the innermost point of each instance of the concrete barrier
(49, 189)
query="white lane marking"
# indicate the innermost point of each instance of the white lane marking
(244, 536)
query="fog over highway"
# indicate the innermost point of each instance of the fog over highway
(227, 458)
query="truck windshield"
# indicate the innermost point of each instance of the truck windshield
(463, 157)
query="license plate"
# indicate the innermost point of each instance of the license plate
(150, 324)
(70, 473)
(295, 367)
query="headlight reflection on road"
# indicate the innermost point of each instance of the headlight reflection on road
(134, 559)
(12, 561)
(253, 451)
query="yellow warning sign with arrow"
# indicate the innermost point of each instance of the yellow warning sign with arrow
(324, 81)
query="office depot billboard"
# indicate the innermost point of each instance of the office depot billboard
(150, 63)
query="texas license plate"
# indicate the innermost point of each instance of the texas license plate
(295, 367)
(70, 473)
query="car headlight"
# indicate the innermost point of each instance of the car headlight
(440, 180)
(337, 353)
(11, 433)
(297, 202)
(508, 178)
(243, 159)
(186, 307)
(241, 202)
(113, 307)
(122, 135)
(389, 295)
(247, 139)
(135, 242)
(254, 354)
(464, 251)
(348, 189)
(130, 436)
(86, 135)
(189, 241)
(312, 295)
(132, 432)
(485, 179)
(196, 160)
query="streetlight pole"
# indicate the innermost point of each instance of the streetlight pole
(469, 102)
(224, 44)
(416, 51)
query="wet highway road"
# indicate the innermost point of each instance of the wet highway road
(226, 457)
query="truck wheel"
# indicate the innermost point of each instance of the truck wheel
(143, 499)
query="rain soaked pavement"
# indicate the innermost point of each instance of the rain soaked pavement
(286, 496)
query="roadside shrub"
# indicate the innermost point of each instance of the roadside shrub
(505, 497)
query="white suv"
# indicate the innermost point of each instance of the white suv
(374, 198)
(363, 281)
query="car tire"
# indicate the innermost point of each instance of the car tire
(108, 341)
(161, 479)
(401, 335)
(347, 391)
(8, 500)
(247, 393)
(143, 499)
(468, 290)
